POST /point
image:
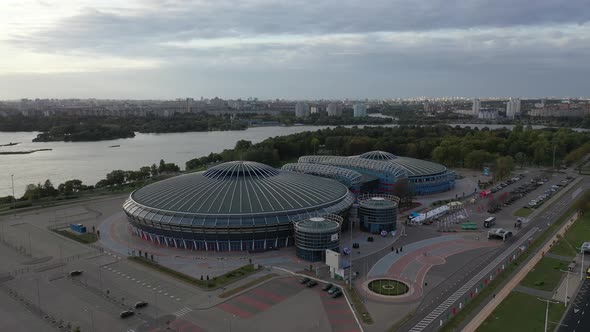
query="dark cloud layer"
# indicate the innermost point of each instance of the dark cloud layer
(350, 48)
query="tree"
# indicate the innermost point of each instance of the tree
(521, 159)
(503, 167)
(115, 178)
(162, 166)
(315, 142)
(154, 170)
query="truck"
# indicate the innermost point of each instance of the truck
(489, 222)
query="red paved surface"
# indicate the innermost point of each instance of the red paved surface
(432, 258)
(339, 314)
(261, 298)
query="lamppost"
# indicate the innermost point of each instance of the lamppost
(582, 265)
(567, 282)
(13, 198)
(547, 310)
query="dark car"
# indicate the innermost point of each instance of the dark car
(337, 294)
(141, 304)
(126, 313)
(304, 280)
(312, 283)
(334, 290)
(75, 273)
(327, 287)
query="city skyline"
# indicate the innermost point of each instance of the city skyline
(297, 50)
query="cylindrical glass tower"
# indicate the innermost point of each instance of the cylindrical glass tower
(314, 235)
(378, 213)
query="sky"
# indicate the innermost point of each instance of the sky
(295, 49)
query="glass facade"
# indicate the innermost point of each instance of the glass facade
(378, 213)
(313, 236)
(223, 233)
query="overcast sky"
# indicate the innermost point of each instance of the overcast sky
(293, 49)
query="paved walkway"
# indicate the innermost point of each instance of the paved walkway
(534, 292)
(413, 263)
(560, 257)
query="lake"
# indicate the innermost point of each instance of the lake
(91, 161)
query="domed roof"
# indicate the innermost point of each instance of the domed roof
(241, 188)
(317, 225)
(378, 155)
(240, 168)
(414, 167)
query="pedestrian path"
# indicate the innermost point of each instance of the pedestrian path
(534, 292)
(560, 257)
(384, 264)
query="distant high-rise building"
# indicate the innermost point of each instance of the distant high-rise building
(301, 109)
(512, 108)
(359, 110)
(476, 107)
(334, 110)
(315, 109)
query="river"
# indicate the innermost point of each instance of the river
(91, 161)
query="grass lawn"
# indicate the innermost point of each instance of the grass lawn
(563, 248)
(545, 275)
(82, 238)
(521, 312)
(523, 212)
(358, 305)
(388, 287)
(213, 283)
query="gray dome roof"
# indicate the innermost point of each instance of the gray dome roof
(378, 155)
(414, 167)
(317, 225)
(241, 188)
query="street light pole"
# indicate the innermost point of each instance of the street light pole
(546, 311)
(582, 265)
(13, 198)
(38, 297)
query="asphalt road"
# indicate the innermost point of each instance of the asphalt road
(577, 319)
(551, 213)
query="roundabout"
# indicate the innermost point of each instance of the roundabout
(388, 287)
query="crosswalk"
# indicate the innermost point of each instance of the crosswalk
(156, 288)
(182, 312)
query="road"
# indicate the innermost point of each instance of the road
(546, 217)
(577, 319)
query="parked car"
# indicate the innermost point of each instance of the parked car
(75, 273)
(304, 280)
(141, 304)
(312, 283)
(327, 287)
(126, 313)
(337, 294)
(333, 290)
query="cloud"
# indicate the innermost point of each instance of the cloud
(364, 39)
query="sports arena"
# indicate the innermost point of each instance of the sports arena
(379, 172)
(233, 206)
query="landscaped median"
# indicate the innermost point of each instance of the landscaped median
(85, 238)
(211, 284)
(358, 305)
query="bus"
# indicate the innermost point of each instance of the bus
(491, 221)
